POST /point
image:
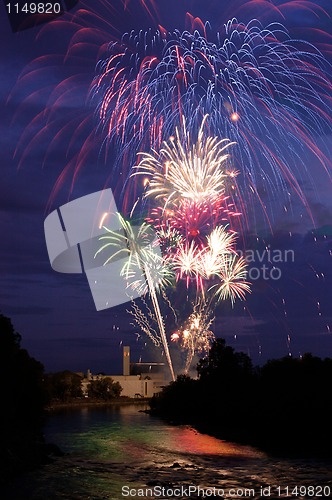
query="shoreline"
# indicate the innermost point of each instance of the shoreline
(76, 404)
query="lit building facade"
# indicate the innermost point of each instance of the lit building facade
(138, 380)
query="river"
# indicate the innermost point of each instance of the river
(119, 452)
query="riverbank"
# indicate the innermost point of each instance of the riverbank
(282, 408)
(116, 449)
(38, 452)
(263, 439)
(79, 403)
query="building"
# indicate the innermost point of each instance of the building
(138, 380)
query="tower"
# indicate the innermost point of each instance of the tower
(126, 360)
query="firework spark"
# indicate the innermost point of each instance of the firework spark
(193, 221)
(220, 243)
(186, 263)
(259, 87)
(190, 179)
(253, 84)
(145, 323)
(232, 275)
(138, 246)
(195, 336)
(183, 170)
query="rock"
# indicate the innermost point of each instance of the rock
(52, 450)
(176, 465)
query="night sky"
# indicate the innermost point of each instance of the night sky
(54, 312)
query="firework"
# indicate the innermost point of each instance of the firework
(138, 246)
(145, 322)
(186, 263)
(220, 244)
(195, 336)
(198, 219)
(259, 87)
(214, 266)
(191, 179)
(220, 241)
(183, 170)
(254, 85)
(216, 261)
(232, 276)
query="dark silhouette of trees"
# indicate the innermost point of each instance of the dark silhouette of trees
(178, 400)
(64, 386)
(104, 388)
(23, 398)
(296, 405)
(284, 407)
(218, 399)
(223, 363)
(226, 382)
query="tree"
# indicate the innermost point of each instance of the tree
(104, 388)
(64, 385)
(178, 400)
(23, 398)
(284, 407)
(295, 400)
(223, 364)
(227, 388)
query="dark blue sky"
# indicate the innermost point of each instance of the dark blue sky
(54, 312)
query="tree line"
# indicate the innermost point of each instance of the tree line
(23, 398)
(26, 392)
(66, 386)
(284, 407)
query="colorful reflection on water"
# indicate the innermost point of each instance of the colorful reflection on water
(111, 447)
(187, 440)
(125, 432)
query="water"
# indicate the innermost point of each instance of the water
(120, 452)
